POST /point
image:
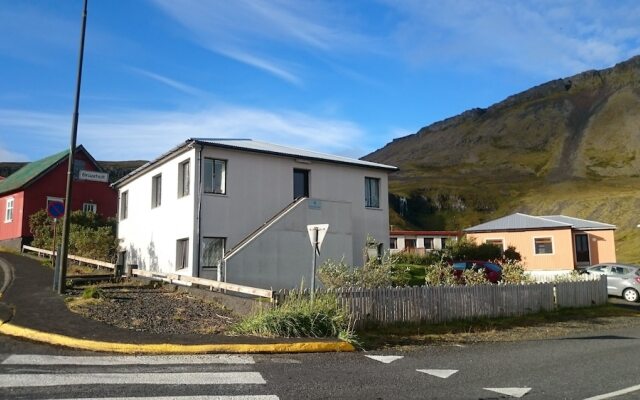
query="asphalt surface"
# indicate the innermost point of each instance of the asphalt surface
(30, 302)
(579, 367)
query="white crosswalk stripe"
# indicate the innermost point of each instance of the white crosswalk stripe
(189, 378)
(222, 377)
(22, 359)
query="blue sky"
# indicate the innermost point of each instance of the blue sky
(342, 77)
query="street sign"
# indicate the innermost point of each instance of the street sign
(316, 235)
(93, 176)
(55, 209)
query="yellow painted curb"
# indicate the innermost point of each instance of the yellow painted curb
(167, 348)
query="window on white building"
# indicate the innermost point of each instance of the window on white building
(124, 205)
(182, 253)
(393, 243)
(428, 243)
(215, 176)
(156, 191)
(90, 207)
(371, 192)
(212, 252)
(183, 179)
(8, 214)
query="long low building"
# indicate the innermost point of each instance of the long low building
(420, 242)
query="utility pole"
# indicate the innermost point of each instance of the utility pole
(72, 149)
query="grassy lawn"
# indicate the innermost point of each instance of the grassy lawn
(529, 327)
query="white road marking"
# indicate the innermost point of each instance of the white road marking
(241, 397)
(385, 359)
(188, 378)
(513, 392)
(616, 393)
(34, 359)
(440, 373)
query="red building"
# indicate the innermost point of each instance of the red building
(33, 186)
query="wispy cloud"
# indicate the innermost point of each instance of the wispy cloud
(169, 82)
(145, 135)
(247, 31)
(8, 155)
(541, 37)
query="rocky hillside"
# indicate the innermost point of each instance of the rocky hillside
(568, 146)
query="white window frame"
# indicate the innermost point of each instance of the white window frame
(184, 178)
(90, 207)
(8, 212)
(224, 245)
(124, 205)
(553, 247)
(431, 241)
(393, 243)
(156, 191)
(368, 195)
(222, 190)
(182, 245)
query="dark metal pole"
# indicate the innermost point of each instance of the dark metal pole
(72, 149)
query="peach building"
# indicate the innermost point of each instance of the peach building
(550, 244)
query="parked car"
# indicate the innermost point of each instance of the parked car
(492, 271)
(622, 279)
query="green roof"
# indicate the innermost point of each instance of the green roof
(30, 172)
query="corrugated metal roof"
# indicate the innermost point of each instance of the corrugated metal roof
(263, 147)
(258, 147)
(519, 221)
(425, 233)
(579, 223)
(29, 172)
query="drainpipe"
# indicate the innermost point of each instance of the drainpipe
(199, 209)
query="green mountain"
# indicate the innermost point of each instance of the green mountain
(570, 146)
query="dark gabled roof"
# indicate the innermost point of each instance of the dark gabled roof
(519, 222)
(34, 170)
(254, 146)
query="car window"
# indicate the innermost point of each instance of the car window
(493, 267)
(598, 268)
(459, 265)
(617, 270)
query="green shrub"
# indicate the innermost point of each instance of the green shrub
(513, 272)
(374, 273)
(298, 316)
(92, 292)
(440, 273)
(90, 235)
(573, 276)
(473, 278)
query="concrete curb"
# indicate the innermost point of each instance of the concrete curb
(168, 348)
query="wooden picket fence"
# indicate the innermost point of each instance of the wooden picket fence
(438, 304)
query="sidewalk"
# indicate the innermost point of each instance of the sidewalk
(32, 310)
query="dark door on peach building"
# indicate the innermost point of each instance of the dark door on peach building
(581, 245)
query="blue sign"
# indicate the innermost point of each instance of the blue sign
(55, 209)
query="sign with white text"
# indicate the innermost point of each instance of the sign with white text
(94, 176)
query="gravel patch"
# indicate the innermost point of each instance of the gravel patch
(160, 309)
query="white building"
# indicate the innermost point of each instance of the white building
(421, 242)
(237, 210)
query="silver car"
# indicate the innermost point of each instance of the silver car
(622, 279)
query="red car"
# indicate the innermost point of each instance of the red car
(492, 271)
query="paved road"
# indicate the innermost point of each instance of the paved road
(580, 367)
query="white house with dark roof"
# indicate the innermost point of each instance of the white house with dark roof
(550, 243)
(237, 210)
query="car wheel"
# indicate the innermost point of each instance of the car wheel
(630, 295)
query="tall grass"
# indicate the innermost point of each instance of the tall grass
(298, 316)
